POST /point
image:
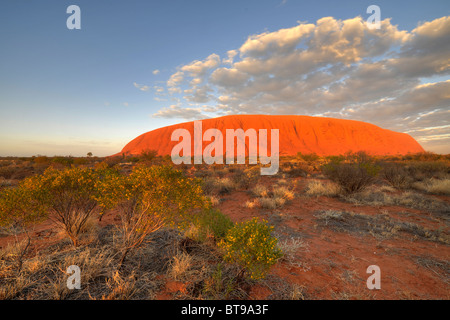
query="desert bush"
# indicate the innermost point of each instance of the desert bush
(111, 162)
(396, 175)
(221, 284)
(211, 223)
(354, 175)
(65, 161)
(80, 161)
(215, 186)
(308, 157)
(148, 155)
(251, 245)
(18, 210)
(422, 170)
(69, 196)
(335, 158)
(7, 172)
(245, 178)
(298, 171)
(426, 156)
(41, 159)
(148, 199)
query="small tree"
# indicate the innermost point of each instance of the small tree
(69, 196)
(148, 199)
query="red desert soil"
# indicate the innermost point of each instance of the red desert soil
(329, 264)
(332, 265)
(324, 136)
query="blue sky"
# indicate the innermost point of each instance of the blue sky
(69, 92)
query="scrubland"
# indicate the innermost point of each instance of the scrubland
(140, 227)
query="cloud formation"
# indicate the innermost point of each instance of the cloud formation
(141, 86)
(336, 68)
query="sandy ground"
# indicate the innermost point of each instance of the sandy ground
(328, 264)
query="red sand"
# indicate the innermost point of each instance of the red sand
(324, 136)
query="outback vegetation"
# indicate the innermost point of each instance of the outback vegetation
(140, 227)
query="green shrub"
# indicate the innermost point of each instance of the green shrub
(246, 178)
(148, 155)
(65, 161)
(211, 222)
(218, 186)
(80, 161)
(67, 195)
(251, 245)
(308, 157)
(354, 175)
(7, 172)
(41, 159)
(422, 170)
(148, 199)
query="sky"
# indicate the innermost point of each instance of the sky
(135, 66)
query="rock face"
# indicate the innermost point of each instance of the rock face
(305, 134)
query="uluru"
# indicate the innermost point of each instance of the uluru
(305, 134)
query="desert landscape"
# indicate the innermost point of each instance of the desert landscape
(140, 227)
(224, 158)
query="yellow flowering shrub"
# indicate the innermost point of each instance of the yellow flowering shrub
(66, 196)
(149, 198)
(251, 245)
(18, 208)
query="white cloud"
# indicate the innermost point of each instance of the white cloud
(158, 89)
(198, 68)
(156, 72)
(174, 111)
(175, 79)
(333, 67)
(141, 86)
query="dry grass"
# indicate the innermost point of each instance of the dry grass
(292, 249)
(298, 292)
(374, 197)
(283, 193)
(271, 203)
(434, 186)
(260, 190)
(379, 226)
(214, 200)
(438, 267)
(252, 204)
(44, 276)
(218, 186)
(180, 265)
(323, 188)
